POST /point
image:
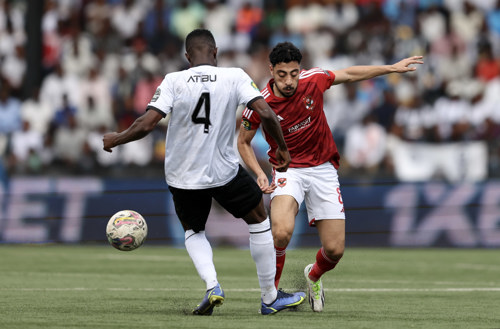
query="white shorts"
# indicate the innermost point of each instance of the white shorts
(318, 186)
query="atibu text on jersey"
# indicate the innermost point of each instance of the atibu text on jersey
(202, 78)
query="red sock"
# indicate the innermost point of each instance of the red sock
(280, 263)
(323, 264)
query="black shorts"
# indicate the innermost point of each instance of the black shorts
(239, 197)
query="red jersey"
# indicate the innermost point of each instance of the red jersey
(306, 131)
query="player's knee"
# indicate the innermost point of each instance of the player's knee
(256, 215)
(334, 251)
(282, 237)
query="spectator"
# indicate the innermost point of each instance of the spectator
(187, 16)
(365, 144)
(10, 111)
(432, 23)
(411, 119)
(450, 110)
(65, 114)
(304, 17)
(77, 56)
(487, 66)
(340, 120)
(467, 21)
(39, 114)
(219, 19)
(385, 110)
(58, 84)
(455, 66)
(97, 13)
(96, 88)
(144, 88)
(94, 141)
(139, 60)
(445, 44)
(248, 18)
(106, 39)
(52, 38)
(69, 142)
(26, 145)
(340, 16)
(13, 69)
(156, 26)
(92, 115)
(493, 19)
(126, 17)
(401, 12)
(170, 60)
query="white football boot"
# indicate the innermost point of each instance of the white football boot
(315, 291)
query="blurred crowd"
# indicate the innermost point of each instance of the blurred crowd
(103, 59)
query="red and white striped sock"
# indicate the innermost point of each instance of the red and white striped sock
(280, 263)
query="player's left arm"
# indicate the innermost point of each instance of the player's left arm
(365, 72)
(141, 127)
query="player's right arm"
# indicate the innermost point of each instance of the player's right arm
(272, 127)
(141, 127)
(248, 155)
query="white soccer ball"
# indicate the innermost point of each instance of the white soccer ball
(126, 230)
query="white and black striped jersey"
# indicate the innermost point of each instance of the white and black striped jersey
(202, 101)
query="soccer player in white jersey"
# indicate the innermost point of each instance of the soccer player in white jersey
(201, 164)
(296, 96)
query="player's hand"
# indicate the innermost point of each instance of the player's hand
(403, 65)
(284, 159)
(264, 185)
(108, 141)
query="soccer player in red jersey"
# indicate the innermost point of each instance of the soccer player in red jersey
(296, 96)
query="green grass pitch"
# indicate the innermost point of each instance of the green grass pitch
(54, 286)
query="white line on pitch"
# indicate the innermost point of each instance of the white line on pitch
(413, 289)
(478, 267)
(375, 290)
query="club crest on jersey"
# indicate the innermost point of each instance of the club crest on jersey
(156, 95)
(281, 182)
(309, 102)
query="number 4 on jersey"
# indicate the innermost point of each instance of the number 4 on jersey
(204, 99)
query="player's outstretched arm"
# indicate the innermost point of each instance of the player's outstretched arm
(364, 72)
(137, 130)
(272, 126)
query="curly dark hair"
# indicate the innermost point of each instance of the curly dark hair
(198, 38)
(285, 52)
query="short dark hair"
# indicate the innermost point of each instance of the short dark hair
(198, 38)
(285, 52)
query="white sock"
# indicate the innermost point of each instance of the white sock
(264, 256)
(200, 251)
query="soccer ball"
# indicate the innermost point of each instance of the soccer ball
(126, 230)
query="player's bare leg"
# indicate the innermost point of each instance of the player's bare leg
(284, 208)
(332, 236)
